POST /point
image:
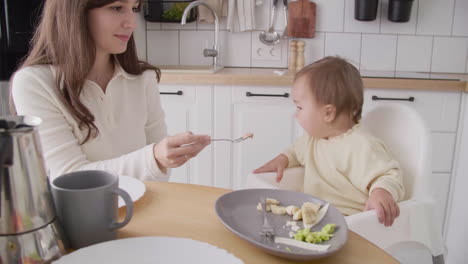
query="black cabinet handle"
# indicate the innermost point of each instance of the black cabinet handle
(176, 93)
(376, 98)
(285, 95)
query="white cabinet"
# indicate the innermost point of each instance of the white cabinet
(190, 108)
(439, 109)
(267, 112)
(226, 111)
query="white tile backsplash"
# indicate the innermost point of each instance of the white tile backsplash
(140, 38)
(163, 47)
(435, 17)
(153, 26)
(414, 53)
(460, 19)
(235, 49)
(466, 68)
(192, 44)
(389, 27)
(314, 49)
(442, 22)
(328, 15)
(449, 54)
(209, 26)
(346, 45)
(378, 52)
(353, 25)
(188, 26)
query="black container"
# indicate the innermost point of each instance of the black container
(365, 10)
(167, 11)
(18, 20)
(399, 10)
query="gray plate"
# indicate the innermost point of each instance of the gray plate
(237, 210)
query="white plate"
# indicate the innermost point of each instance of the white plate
(146, 250)
(134, 187)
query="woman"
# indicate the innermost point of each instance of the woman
(99, 104)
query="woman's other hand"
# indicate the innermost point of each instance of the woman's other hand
(174, 151)
(278, 164)
(385, 207)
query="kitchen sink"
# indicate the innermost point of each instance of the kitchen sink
(189, 68)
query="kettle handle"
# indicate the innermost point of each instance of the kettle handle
(6, 157)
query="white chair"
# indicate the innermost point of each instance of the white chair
(415, 236)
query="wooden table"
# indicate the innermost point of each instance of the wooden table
(186, 210)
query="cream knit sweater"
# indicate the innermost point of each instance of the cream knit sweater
(128, 115)
(344, 170)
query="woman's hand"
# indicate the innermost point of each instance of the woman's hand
(385, 207)
(174, 151)
(277, 164)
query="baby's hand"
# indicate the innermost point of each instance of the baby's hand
(386, 208)
(277, 164)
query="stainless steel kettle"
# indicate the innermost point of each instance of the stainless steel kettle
(29, 230)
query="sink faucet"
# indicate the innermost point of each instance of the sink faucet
(206, 52)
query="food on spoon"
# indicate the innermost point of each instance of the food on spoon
(248, 135)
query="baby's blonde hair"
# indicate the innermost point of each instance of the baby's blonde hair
(335, 81)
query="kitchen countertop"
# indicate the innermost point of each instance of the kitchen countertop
(372, 79)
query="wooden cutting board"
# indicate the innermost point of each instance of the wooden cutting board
(301, 19)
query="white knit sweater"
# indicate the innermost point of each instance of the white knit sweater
(128, 115)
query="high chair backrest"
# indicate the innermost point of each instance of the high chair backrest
(405, 134)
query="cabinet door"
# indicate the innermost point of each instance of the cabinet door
(265, 114)
(189, 108)
(439, 109)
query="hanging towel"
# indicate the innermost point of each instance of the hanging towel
(241, 15)
(219, 6)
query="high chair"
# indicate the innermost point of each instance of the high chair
(415, 236)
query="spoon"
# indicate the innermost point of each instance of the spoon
(271, 37)
(237, 140)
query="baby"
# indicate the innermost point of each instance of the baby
(343, 164)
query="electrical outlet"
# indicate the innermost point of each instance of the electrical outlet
(268, 56)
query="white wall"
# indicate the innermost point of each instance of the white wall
(434, 40)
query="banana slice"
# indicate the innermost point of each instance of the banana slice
(272, 201)
(297, 215)
(291, 209)
(278, 209)
(309, 213)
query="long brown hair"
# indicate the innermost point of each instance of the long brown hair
(63, 40)
(335, 81)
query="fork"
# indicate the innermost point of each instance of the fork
(267, 229)
(237, 140)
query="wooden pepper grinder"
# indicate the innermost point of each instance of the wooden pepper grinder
(292, 55)
(300, 55)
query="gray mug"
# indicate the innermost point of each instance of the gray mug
(86, 205)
